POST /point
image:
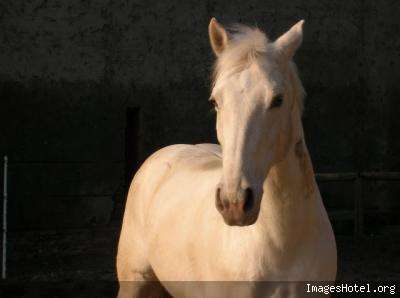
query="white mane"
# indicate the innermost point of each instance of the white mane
(248, 45)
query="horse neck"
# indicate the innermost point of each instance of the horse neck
(288, 207)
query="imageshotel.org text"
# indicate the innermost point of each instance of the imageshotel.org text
(351, 288)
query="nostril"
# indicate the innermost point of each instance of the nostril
(218, 201)
(248, 200)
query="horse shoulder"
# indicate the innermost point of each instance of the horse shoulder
(164, 165)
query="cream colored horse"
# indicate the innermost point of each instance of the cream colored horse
(247, 210)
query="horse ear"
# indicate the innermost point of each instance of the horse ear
(218, 36)
(290, 41)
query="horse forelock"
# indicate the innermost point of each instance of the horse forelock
(244, 46)
(248, 45)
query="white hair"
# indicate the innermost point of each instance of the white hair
(248, 45)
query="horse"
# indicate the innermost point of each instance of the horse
(248, 209)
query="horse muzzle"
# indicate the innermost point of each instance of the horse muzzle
(237, 209)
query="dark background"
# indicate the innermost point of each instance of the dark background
(89, 89)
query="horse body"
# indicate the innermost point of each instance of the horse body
(178, 237)
(273, 227)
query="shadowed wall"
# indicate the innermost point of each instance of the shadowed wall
(69, 70)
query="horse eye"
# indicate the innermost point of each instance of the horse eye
(214, 103)
(276, 102)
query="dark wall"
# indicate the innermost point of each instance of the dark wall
(70, 69)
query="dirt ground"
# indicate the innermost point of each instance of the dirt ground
(85, 260)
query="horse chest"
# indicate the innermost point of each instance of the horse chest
(240, 261)
(258, 261)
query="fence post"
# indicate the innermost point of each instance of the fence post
(358, 207)
(4, 259)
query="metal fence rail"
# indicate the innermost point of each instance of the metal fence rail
(357, 179)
